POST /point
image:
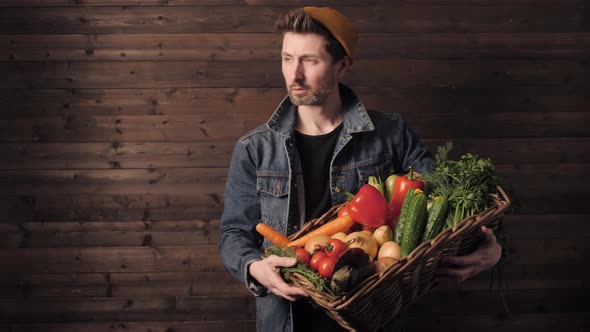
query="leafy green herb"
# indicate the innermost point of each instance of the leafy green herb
(467, 183)
(319, 283)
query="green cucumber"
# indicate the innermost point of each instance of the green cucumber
(399, 227)
(437, 216)
(414, 223)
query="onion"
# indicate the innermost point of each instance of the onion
(363, 240)
(316, 243)
(383, 234)
(383, 263)
(390, 249)
(340, 236)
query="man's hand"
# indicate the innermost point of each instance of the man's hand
(266, 272)
(487, 254)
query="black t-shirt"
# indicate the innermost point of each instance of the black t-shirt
(315, 153)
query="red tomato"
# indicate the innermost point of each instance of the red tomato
(327, 267)
(302, 255)
(316, 259)
(335, 248)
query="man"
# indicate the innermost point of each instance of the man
(320, 142)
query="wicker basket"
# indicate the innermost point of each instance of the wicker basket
(378, 299)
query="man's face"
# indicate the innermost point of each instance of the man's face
(310, 75)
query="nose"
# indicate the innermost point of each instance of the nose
(297, 71)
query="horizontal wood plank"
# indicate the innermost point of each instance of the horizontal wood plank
(545, 322)
(202, 232)
(91, 285)
(112, 259)
(205, 283)
(219, 326)
(194, 308)
(384, 72)
(213, 128)
(24, 239)
(181, 181)
(241, 308)
(230, 102)
(539, 322)
(120, 155)
(133, 47)
(383, 18)
(160, 3)
(549, 251)
(146, 208)
(30, 156)
(531, 301)
(206, 257)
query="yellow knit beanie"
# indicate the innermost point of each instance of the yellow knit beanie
(338, 25)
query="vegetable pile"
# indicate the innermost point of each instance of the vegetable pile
(386, 220)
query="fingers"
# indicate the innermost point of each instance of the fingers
(288, 292)
(277, 261)
(267, 272)
(279, 287)
(489, 236)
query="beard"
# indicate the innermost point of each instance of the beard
(311, 96)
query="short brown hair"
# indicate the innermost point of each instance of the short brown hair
(299, 21)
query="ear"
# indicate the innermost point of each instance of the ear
(343, 66)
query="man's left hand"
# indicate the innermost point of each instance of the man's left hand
(485, 256)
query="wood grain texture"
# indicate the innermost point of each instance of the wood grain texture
(229, 102)
(212, 128)
(289, 3)
(188, 326)
(111, 208)
(195, 308)
(151, 284)
(546, 322)
(266, 46)
(258, 73)
(217, 19)
(112, 259)
(31, 156)
(218, 283)
(56, 234)
(119, 117)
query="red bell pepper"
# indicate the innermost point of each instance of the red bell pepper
(397, 187)
(368, 207)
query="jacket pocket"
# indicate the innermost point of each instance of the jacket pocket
(379, 167)
(273, 188)
(272, 183)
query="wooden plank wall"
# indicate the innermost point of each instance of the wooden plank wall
(118, 119)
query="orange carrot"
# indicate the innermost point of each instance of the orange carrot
(330, 228)
(272, 235)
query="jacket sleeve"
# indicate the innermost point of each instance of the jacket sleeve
(412, 152)
(239, 243)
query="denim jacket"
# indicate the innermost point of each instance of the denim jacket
(265, 184)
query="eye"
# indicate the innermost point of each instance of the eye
(286, 59)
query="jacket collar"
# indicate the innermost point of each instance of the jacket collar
(356, 118)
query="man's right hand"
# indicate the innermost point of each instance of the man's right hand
(266, 272)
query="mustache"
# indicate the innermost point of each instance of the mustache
(298, 86)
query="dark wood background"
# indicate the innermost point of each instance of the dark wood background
(118, 118)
